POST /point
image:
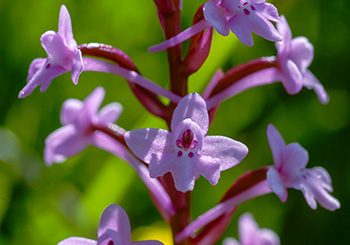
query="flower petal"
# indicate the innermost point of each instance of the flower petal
(69, 111)
(267, 10)
(294, 160)
(77, 66)
(194, 107)
(56, 49)
(302, 53)
(150, 145)
(227, 151)
(311, 82)
(35, 66)
(276, 184)
(208, 167)
(65, 27)
(109, 113)
(283, 28)
(292, 79)
(116, 219)
(276, 143)
(247, 229)
(263, 27)
(240, 28)
(77, 241)
(216, 17)
(44, 77)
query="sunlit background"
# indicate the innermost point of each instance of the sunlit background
(43, 205)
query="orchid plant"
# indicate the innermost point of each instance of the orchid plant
(170, 161)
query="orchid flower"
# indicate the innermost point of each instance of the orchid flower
(79, 119)
(250, 233)
(240, 16)
(289, 172)
(114, 228)
(186, 152)
(294, 56)
(62, 55)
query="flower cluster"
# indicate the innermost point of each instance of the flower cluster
(170, 161)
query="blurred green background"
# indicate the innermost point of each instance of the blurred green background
(43, 205)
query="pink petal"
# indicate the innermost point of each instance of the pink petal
(311, 82)
(276, 184)
(77, 66)
(44, 77)
(283, 28)
(268, 10)
(150, 145)
(116, 219)
(69, 111)
(77, 241)
(276, 143)
(35, 66)
(89, 111)
(194, 107)
(65, 27)
(294, 160)
(302, 53)
(216, 17)
(183, 174)
(110, 236)
(227, 151)
(56, 49)
(263, 27)
(109, 113)
(248, 229)
(208, 167)
(240, 28)
(292, 79)
(71, 145)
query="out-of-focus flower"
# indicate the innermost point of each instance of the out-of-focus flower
(79, 119)
(186, 152)
(289, 172)
(62, 55)
(250, 233)
(114, 228)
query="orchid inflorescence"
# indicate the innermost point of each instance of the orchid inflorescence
(170, 161)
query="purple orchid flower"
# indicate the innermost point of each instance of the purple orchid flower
(240, 16)
(186, 152)
(289, 172)
(250, 233)
(79, 119)
(114, 228)
(62, 55)
(294, 56)
(243, 17)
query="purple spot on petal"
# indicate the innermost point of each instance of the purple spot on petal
(48, 66)
(252, 7)
(190, 155)
(110, 243)
(245, 3)
(246, 11)
(179, 154)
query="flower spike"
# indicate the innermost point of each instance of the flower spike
(114, 228)
(186, 151)
(62, 55)
(289, 172)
